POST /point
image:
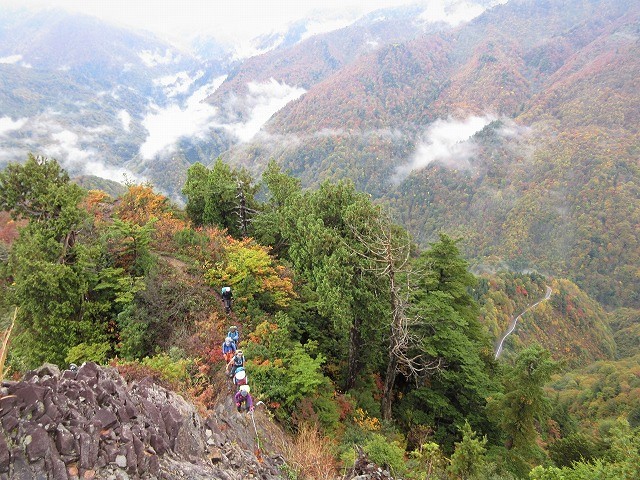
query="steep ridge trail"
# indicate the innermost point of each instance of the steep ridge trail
(514, 322)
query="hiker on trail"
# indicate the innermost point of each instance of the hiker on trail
(236, 362)
(228, 349)
(242, 397)
(240, 378)
(226, 298)
(234, 334)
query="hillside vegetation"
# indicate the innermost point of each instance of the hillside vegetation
(354, 336)
(550, 184)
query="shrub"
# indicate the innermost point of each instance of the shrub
(173, 371)
(132, 332)
(173, 375)
(574, 448)
(4, 345)
(427, 462)
(191, 238)
(285, 372)
(88, 352)
(385, 453)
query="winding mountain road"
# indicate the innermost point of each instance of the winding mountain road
(514, 322)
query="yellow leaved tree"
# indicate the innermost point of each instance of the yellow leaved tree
(257, 281)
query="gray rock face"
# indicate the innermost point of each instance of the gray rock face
(91, 424)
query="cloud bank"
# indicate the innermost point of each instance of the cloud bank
(166, 126)
(152, 59)
(48, 134)
(9, 125)
(447, 142)
(451, 13)
(11, 59)
(125, 118)
(262, 101)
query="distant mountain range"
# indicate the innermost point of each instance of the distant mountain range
(88, 93)
(517, 130)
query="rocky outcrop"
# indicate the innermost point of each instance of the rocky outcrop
(365, 469)
(91, 424)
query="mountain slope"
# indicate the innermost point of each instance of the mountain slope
(312, 60)
(552, 184)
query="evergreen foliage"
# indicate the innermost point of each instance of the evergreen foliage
(468, 459)
(220, 196)
(524, 403)
(459, 383)
(318, 297)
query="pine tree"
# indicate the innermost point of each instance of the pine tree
(524, 401)
(451, 335)
(468, 460)
(52, 271)
(195, 189)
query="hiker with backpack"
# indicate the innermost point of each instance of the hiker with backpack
(228, 349)
(234, 335)
(226, 298)
(240, 378)
(241, 397)
(236, 362)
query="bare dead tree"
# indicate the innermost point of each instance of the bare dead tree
(243, 211)
(388, 249)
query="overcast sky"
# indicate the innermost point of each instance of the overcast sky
(231, 20)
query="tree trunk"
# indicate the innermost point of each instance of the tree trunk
(355, 344)
(396, 325)
(389, 381)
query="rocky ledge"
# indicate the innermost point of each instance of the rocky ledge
(91, 424)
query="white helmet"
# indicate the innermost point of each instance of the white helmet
(244, 390)
(240, 375)
(227, 340)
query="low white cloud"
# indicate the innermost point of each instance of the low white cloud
(117, 174)
(10, 154)
(510, 129)
(48, 134)
(168, 125)
(176, 84)
(99, 130)
(15, 60)
(518, 136)
(262, 101)
(125, 118)
(11, 59)
(66, 147)
(7, 124)
(152, 59)
(318, 27)
(447, 142)
(452, 13)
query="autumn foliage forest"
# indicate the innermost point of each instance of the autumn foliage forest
(351, 331)
(551, 183)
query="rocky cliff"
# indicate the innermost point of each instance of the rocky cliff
(91, 424)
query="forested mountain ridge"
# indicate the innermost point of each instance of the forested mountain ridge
(309, 61)
(550, 183)
(572, 326)
(544, 187)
